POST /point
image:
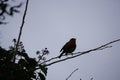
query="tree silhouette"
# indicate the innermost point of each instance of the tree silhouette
(24, 67)
(7, 9)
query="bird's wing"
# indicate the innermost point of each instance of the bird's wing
(65, 46)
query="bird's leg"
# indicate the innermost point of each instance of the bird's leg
(72, 54)
(69, 54)
(66, 54)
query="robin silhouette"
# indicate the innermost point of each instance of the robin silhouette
(69, 47)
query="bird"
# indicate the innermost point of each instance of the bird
(69, 47)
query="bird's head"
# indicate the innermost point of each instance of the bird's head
(73, 39)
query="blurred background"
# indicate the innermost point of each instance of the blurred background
(51, 23)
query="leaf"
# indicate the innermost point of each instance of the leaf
(44, 69)
(23, 54)
(42, 77)
(32, 62)
(22, 63)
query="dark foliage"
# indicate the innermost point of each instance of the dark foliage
(7, 9)
(24, 67)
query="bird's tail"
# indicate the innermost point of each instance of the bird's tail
(60, 55)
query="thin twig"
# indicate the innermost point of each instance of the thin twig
(21, 28)
(91, 78)
(23, 21)
(81, 53)
(72, 54)
(49, 60)
(71, 74)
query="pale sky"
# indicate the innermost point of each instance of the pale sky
(51, 23)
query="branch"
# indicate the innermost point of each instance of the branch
(71, 74)
(50, 59)
(81, 53)
(21, 28)
(23, 21)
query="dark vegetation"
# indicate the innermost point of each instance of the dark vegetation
(6, 9)
(24, 67)
(15, 64)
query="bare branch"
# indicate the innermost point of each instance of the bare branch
(20, 32)
(49, 60)
(71, 74)
(91, 78)
(23, 21)
(80, 53)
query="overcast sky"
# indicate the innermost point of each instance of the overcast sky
(51, 23)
